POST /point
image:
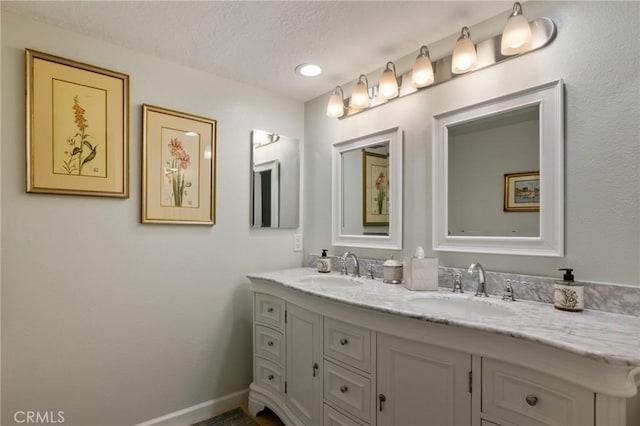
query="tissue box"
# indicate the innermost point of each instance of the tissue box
(421, 274)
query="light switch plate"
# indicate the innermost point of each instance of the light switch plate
(297, 242)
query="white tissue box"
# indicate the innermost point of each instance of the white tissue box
(421, 274)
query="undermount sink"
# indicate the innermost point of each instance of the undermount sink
(461, 306)
(331, 281)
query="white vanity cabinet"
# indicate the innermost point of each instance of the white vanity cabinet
(321, 361)
(419, 383)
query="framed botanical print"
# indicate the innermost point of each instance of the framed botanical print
(522, 192)
(178, 167)
(375, 189)
(77, 135)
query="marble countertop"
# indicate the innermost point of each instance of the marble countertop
(604, 337)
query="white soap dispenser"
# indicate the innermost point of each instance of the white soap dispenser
(324, 262)
(567, 294)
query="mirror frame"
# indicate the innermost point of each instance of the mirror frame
(392, 241)
(550, 241)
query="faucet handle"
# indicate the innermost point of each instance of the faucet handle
(370, 269)
(457, 284)
(508, 292)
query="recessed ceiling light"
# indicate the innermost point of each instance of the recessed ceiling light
(308, 70)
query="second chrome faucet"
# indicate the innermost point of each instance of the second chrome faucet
(476, 268)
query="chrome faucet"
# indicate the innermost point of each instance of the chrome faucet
(482, 289)
(356, 264)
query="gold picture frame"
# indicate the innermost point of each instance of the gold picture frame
(375, 189)
(522, 192)
(77, 128)
(178, 167)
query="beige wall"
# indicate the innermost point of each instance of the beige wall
(109, 320)
(596, 54)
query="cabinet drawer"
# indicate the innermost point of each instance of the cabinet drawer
(348, 343)
(332, 417)
(269, 344)
(269, 310)
(526, 397)
(269, 375)
(348, 391)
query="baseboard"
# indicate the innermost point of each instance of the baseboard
(199, 412)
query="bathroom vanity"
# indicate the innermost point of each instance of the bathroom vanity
(335, 350)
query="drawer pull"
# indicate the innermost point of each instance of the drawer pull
(344, 388)
(531, 400)
(270, 377)
(343, 341)
(381, 399)
(269, 309)
(315, 368)
(269, 343)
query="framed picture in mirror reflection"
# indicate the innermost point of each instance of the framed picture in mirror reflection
(375, 188)
(522, 192)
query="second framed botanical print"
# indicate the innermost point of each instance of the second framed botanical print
(178, 167)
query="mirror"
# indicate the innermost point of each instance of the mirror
(275, 180)
(498, 175)
(367, 191)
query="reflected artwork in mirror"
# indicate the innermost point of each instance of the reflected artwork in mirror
(367, 191)
(498, 175)
(275, 180)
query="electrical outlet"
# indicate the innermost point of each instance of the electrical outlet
(297, 242)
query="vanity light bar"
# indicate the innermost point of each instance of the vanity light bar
(543, 31)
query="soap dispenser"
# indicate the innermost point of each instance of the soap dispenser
(324, 262)
(567, 294)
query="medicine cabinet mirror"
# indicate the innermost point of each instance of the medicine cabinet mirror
(275, 180)
(498, 175)
(367, 191)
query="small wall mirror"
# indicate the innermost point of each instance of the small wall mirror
(498, 175)
(367, 191)
(275, 180)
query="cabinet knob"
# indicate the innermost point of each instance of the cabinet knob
(343, 341)
(531, 399)
(270, 377)
(343, 388)
(269, 309)
(381, 400)
(269, 343)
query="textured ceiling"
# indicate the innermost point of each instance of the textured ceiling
(261, 42)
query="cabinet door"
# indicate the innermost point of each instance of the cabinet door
(421, 384)
(304, 377)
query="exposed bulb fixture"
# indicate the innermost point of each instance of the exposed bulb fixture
(464, 53)
(422, 73)
(388, 86)
(360, 95)
(335, 107)
(516, 37)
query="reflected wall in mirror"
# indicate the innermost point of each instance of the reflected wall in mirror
(494, 164)
(275, 180)
(367, 191)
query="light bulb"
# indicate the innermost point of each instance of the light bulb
(388, 87)
(464, 53)
(422, 73)
(360, 96)
(335, 107)
(516, 37)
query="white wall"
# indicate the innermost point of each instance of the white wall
(596, 54)
(109, 320)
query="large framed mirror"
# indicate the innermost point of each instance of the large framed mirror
(498, 169)
(367, 191)
(275, 180)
